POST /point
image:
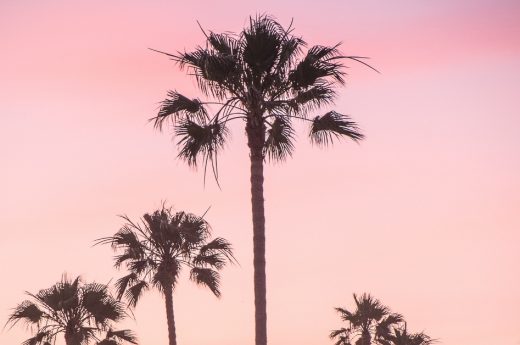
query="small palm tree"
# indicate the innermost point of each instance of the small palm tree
(370, 322)
(155, 251)
(81, 312)
(262, 77)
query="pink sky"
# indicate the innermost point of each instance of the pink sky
(424, 214)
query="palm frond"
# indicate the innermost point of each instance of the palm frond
(62, 296)
(123, 334)
(337, 332)
(124, 238)
(346, 315)
(320, 63)
(370, 308)
(394, 319)
(193, 229)
(26, 311)
(290, 48)
(130, 256)
(360, 60)
(422, 339)
(314, 97)
(402, 337)
(213, 71)
(333, 125)
(157, 224)
(107, 342)
(207, 277)
(261, 42)
(39, 338)
(122, 283)
(178, 106)
(218, 69)
(140, 266)
(101, 306)
(343, 341)
(218, 245)
(217, 261)
(279, 142)
(224, 44)
(134, 292)
(204, 140)
(384, 327)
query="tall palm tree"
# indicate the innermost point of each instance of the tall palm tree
(155, 251)
(371, 322)
(263, 77)
(78, 311)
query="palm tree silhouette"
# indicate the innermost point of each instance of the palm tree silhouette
(262, 77)
(370, 321)
(155, 251)
(78, 311)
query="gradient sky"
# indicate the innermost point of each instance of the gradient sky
(423, 214)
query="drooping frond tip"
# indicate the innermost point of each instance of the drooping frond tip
(206, 277)
(333, 125)
(279, 142)
(26, 311)
(204, 140)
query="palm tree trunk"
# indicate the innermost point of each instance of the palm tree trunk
(365, 336)
(256, 138)
(70, 339)
(168, 297)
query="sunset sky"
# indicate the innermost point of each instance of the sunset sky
(424, 214)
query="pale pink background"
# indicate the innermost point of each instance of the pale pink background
(424, 214)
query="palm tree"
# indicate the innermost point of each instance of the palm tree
(78, 311)
(155, 251)
(370, 322)
(262, 77)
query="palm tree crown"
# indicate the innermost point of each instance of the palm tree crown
(155, 251)
(370, 321)
(78, 311)
(263, 77)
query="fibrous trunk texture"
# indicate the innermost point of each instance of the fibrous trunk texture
(256, 139)
(168, 297)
